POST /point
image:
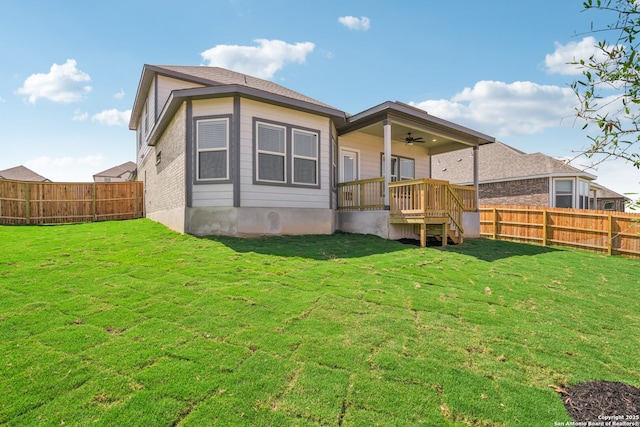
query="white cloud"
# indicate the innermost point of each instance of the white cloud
(63, 83)
(2, 100)
(506, 109)
(353, 23)
(119, 95)
(559, 62)
(67, 169)
(80, 116)
(261, 61)
(112, 117)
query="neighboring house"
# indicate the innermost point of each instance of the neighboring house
(22, 173)
(507, 176)
(120, 173)
(225, 153)
(604, 199)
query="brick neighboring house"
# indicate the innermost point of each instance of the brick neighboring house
(120, 173)
(22, 173)
(507, 176)
(604, 199)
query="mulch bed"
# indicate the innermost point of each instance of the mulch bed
(587, 401)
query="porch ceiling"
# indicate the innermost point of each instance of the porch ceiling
(440, 136)
(434, 143)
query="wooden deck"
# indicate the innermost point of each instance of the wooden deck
(433, 205)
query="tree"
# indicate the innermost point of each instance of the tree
(609, 89)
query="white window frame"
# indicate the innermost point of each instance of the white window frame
(582, 194)
(345, 151)
(556, 194)
(295, 156)
(396, 168)
(272, 153)
(199, 150)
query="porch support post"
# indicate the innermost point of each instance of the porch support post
(476, 149)
(387, 162)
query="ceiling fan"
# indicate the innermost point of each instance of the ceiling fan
(409, 140)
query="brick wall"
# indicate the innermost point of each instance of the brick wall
(526, 192)
(164, 182)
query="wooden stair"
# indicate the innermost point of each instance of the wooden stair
(439, 227)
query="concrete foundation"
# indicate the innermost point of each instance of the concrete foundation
(172, 218)
(247, 222)
(471, 225)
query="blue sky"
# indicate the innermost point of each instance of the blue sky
(70, 68)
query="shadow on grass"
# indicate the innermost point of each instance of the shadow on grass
(346, 245)
(493, 250)
(313, 246)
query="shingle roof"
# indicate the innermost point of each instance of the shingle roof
(22, 173)
(118, 171)
(605, 193)
(216, 76)
(499, 162)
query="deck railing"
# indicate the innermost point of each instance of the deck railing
(412, 198)
(361, 195)
(425, 198)
(467, 194)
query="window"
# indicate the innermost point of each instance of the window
(401, 168)
(350, 165)
(583, 194)
(407, 169)
(305, 157)
(271, 148)
(609, 206)
(145, 117)
(212, 136)
(287, 155)
(564, 193)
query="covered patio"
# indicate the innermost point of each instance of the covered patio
(383, 201)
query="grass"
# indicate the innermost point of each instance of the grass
(127, 323)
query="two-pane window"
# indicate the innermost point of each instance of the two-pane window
(212, 136)
(305, 157)
(564, 193)
(271, 148)
(286, 155)
(402, 168)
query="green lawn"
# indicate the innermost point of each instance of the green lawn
(127, 323)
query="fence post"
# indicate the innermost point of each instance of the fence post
(27, 196)
(544, 227)
(495, 223)
(609, 234)
(93, 201)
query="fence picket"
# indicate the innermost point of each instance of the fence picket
(608, 232)
(24, 202)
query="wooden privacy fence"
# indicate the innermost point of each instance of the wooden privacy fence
(614, 233)
(24, 202)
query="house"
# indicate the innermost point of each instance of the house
(607, 200)
(120, 173)
(507, 176)
(22, 173)
(225, 153)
